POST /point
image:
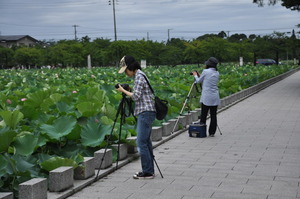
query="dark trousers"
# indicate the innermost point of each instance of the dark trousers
(213, 117)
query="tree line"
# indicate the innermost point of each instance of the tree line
(176, 51)
(293, 5)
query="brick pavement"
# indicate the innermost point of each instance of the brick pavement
(257, 157)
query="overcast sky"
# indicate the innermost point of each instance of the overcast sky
(138, 19)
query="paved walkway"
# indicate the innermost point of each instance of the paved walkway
(258, 156)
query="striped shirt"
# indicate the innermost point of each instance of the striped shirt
(142, 95)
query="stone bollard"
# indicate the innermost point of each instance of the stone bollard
(172, 124)
(195, 115)
(122, 150)
(35, 188)
(86, 169)
(61, 179)
(6, 195)
(166, 129)
(182, 122)
(106, 156)
(189, 119)
(131, 146)
(156, 134)
(198, 110)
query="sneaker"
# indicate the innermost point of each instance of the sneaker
(141, 175)
(138, 173)
(212, 135)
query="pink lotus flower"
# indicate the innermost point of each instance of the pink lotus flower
(74, 91)
(23, 99)
(8, 101)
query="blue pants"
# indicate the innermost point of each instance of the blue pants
(144, 143)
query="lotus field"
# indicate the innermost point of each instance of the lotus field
(52, 118)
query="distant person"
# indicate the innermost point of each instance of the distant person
(210, 98)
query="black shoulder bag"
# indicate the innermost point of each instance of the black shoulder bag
(161, 106)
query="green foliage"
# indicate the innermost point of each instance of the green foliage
(93, 133)
(25, 143)
(103, 52)
(11, 118)
(55, 162)
(60, 127)
(6, 138)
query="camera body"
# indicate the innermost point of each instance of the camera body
(125, 86)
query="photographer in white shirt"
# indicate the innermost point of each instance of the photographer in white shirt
(210, 98)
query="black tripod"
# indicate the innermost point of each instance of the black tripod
(217, 125)
(120, 111)
(184, 104)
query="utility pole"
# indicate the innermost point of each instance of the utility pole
(115, 29)
(169, 34)
(75, 31)
(114, 13)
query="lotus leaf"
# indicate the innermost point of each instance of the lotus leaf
(3, 165)
(11, 118)
(89, 109)
(25, 144)
(61, 127)
(93, 133)
(56, 162)
(6, 138)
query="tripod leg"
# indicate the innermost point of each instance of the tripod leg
(120, 134)
(157, 167)
(102, 159)
(219, 130)
(182, 109)
(106, 147)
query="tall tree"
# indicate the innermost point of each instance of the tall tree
(289, 4)
(6, 57)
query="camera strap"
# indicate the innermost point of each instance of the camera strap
(149, 84)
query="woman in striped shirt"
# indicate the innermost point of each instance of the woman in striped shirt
(145, 112)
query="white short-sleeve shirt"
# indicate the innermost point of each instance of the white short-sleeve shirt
(210, 91)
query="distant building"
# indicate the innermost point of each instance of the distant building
(17, 40)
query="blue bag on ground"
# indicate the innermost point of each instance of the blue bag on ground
(197, 130)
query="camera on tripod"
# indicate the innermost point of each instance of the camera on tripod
(125, 86)
(198, 74)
